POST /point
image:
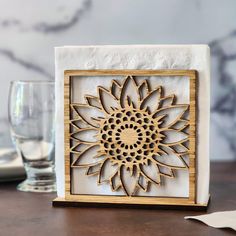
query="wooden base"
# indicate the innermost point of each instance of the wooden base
(62, 202)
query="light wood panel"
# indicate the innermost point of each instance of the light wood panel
(191, 200)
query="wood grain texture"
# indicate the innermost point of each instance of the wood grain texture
(146, 203)
(31, 214)
(131, 137)
(67, 133)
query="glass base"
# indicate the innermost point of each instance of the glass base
(40, 177)
(28, 186)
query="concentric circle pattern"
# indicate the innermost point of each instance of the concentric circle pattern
(129, 137)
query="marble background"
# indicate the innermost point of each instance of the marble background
(30, 30)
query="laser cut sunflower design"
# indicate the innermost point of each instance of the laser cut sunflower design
(129, 135)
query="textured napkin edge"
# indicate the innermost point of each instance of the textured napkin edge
(227, 222)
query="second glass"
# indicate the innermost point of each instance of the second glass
(31, 115)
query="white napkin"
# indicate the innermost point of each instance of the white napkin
(221, 219)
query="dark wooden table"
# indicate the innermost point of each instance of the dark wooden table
(33, 214)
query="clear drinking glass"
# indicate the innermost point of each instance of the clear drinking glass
(31, 107)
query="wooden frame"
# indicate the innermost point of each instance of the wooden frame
(179, 201)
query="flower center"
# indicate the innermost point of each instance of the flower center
(129, 136)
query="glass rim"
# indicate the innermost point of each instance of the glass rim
(33, 81)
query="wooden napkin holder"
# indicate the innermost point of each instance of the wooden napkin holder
(130, 137)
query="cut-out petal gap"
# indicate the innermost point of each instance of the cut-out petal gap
(130, 89)
(86, 113)
(151, 101)
(108, 100)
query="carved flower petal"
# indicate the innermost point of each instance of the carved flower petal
(78, 123)
(172, 136)
(88, 114)
(143, 183)
(172, 114)
(151, 172)
(166, 171)
(85, 135)
(171, 160)
(115, 88)
(167, 101)
(151, 101)
(129, 93)
(107, 171)
(128, 181)
(180, 147)
(87, 157)
(93, 170)
(180, 125)
(115, 182)
(108, 101)
(143, 89)
(93, 101)
(78, 147)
